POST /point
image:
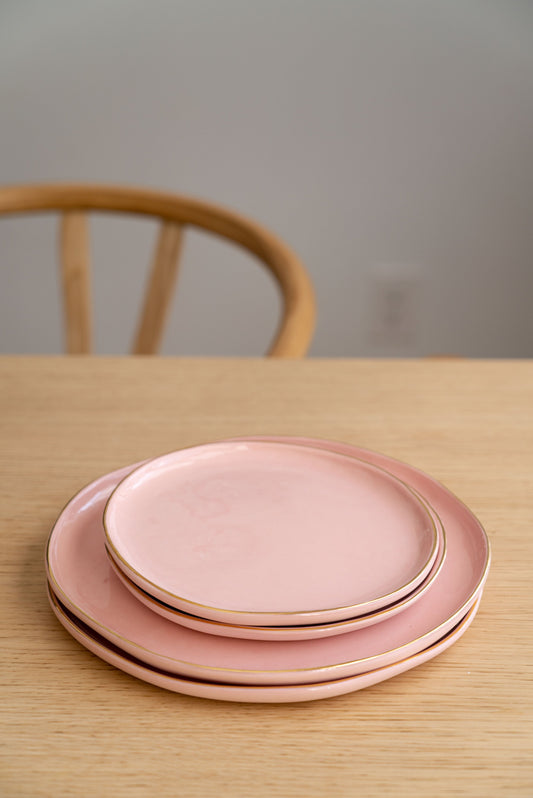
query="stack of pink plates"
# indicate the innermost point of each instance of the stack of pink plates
(266, 569)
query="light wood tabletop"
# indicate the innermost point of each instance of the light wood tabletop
(459, 725)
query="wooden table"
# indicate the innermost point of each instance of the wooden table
(459, 725)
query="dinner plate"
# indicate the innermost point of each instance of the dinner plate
(269, 534)
(248, 693)
(289, 632)
(82, 577)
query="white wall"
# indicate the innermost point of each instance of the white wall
(361, 131)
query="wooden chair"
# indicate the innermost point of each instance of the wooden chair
(295, 328)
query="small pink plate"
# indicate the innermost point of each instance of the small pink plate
(81, 576)
(289, 632)
(269, 534)
(248, 693)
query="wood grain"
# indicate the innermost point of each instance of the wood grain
(460, 725)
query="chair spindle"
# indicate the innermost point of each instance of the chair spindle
(76, 281)
(160, 290)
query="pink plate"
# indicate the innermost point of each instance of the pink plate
(289, 632)
(258, 694)
(83, 579)
(269, 534)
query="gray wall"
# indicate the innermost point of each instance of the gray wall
(382, 140)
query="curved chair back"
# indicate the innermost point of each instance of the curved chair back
(75, 202)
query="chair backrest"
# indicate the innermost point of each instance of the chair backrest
(295, 328)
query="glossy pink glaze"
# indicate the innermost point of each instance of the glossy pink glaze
(289, 632)
(82, 577)
(269, 534)
(256, 693)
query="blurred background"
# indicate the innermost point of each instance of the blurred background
(389, 143)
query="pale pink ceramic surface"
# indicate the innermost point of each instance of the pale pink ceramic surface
(289, 632)
(250, 693)
(269, 534)
(82, 577)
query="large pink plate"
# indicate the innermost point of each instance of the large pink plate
(289, 632)
(269, 534)
(82, 577)
(249, 693)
